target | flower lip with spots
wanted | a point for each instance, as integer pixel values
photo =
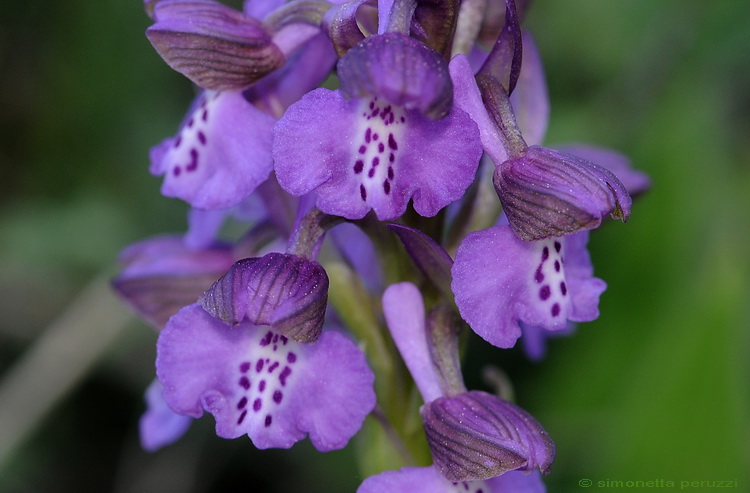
(259, 383)
(221, 153)
(500, 280)
(377, 150)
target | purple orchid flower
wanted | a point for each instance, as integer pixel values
(387, 136)
(544, 193)
(222, 151)
(220, 155)
(486, 444)
(500, 280)
(259, 383)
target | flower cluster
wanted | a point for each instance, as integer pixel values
(411, 132)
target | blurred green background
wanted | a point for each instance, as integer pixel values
(657, 388)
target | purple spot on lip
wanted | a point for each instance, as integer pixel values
(381, 147)
(545, 254)
(362, 149)
(362, 192)
(390, 173)
(259, 366)
(538, 276)
(392, 142)
(176, 171)
(245, 366)
(178, 141)
(267, 422)
(557, 266)
(375, 136)
(202, 137)
(558, 246)
(256, 405)
(359, 166)
(204, 116)
(266, 339)
(291, 357)
(277, 396)
(545, 292)
(242, 417)
(242, 403)
(368, 135)
(193, 160)
(563, 288)
(387, 187)
(555, 310)
(244, 383)
(262, 386)
(284, 375)
(371, 173)
(273, 366)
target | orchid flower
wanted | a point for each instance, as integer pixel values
(478, 441)
(390, 134)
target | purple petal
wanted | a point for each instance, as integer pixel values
(216, 47)
(530, 100)
(404, 312)
(363, 154)
(303, 71)
(260, 383)
(221, 154)
(469, 99)
(636, 182)
(400, 70)
(204, 226)
(430, 258)
(547, 193)
(161, 275)
(260, 9)
(284, 291)
(359, 251)
(429, 480)
(518, 482)
(420, 480)
(478, 436)
(500, 280)
(159, 425)
(504, 61)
